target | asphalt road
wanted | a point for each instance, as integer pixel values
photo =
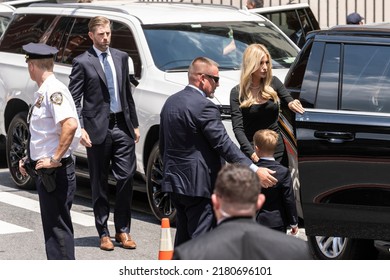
(21, 235)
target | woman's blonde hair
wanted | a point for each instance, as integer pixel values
(251, 60)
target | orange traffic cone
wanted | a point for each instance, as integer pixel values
(166, 247)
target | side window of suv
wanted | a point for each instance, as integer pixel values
(122, 38)
(26, 29)
(328, 84)
(366, 78)
(76, 32)
(77, 38)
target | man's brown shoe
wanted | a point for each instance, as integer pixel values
(106, 243)
(125, 240)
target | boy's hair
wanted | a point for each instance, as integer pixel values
(266, 140)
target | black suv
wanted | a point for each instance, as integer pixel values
(342, 77)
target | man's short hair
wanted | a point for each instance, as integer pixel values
(237, 184)
(97, 21)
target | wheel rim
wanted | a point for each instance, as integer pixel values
(17, 150)
(161, 200)
(331, 247)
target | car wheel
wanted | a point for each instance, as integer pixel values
(159, 202)
(341, 248)
(16, 147)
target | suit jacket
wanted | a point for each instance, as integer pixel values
(279, 208)
(241, 238)
(193, 142)
(89, 89)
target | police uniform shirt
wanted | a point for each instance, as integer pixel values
(53, 103)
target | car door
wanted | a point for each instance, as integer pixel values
(344, 140)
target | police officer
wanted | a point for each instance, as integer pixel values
(54, 134)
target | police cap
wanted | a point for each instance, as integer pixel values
(39, 51)
(354, 18)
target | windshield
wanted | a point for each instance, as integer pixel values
(174, 46)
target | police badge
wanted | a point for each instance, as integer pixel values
(56, 98)
(39, 101)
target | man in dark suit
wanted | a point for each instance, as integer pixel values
(237, 236)
(279, 210)
(100, 86)
(193, 142)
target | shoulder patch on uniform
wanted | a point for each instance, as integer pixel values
(56, 98)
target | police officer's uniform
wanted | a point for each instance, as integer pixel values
(53, 104)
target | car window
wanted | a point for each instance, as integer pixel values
(311, 75)
(75, 32)
(26, 29)
(328, 85)
(3, 24)
(366, 78)
(122, 38)
(295, 23)
(223, 42)
(77, 39)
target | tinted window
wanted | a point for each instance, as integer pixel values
(327, 95)
(122, 38)
(223, 42)
(75, 32)
(366, 78)
(58, 35)
(312, 74)
(78, 40)
(295, 23)
(26, 29)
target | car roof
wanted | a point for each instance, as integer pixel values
(281, 8)
(6, 10)
(377, 29)
(151, 12)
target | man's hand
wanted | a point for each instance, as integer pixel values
(266, 178)
(85, 141)
(137, 135)
(46, 163)
(21, 167)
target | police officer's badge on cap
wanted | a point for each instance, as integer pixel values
(39, 51)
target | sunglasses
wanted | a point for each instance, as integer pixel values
(215, 78)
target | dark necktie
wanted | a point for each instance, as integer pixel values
(109, 78)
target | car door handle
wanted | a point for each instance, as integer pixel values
(335, 136)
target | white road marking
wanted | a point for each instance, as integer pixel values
(6, 228)
(33, 205)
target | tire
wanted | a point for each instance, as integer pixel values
(16, 147)
(342, 248)
(159, 202)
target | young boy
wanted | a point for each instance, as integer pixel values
(279, 209)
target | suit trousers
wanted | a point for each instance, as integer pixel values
(55, 213)
(119, 149)
(194, 216)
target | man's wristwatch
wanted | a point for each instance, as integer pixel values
(52, 160)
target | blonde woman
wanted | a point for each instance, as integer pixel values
(255, 102)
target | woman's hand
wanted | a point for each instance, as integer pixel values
(296, 106)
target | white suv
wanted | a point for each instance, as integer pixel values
(161, 40)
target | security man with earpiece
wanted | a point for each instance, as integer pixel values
(54, 133)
